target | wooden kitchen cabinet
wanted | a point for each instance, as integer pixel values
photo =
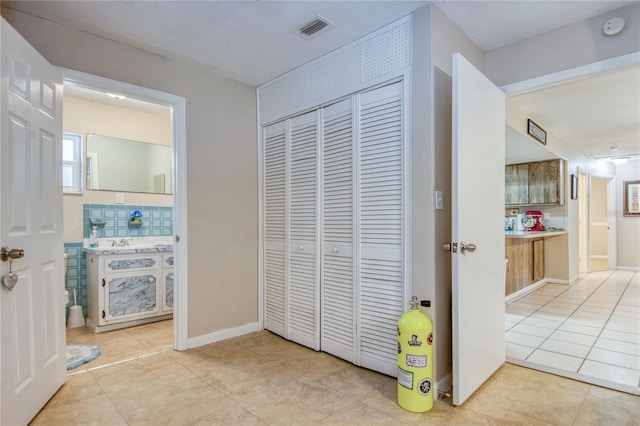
(525, 264)
(537, 183)
(516, 184)
(544, 182)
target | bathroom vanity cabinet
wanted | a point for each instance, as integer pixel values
(128, 289)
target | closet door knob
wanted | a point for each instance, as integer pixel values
(336, 250)
(301, 248)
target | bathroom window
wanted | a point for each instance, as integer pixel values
(71, 163)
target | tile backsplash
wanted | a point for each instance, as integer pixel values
(76, 274)
(156, 221)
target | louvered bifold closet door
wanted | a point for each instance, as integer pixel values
(381, 171)
(303, 319)
(338, 299)
(274, 223)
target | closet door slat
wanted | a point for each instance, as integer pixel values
(274, 227)
(303, 320)
(381, 289)
(338, 334)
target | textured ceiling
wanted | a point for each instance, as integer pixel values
(249, 41)
(599, 115)
(255, 41)
(495, 24)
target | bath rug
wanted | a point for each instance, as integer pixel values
(80, 354)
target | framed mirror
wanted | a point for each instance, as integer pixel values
(116, 164)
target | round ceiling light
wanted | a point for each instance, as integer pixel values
(613, 26)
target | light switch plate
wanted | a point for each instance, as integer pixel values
(439, 201)
(119, 198)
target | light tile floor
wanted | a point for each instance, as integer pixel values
(588, 331)
(123, 344)
(261, 379)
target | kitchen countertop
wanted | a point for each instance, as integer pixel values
(534, 234)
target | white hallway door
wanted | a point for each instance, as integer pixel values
(478, 120)
(32, 355)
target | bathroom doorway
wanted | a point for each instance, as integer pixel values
(170, 198)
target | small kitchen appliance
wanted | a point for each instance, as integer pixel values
(531, 220)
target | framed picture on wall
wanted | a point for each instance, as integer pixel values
(631, 190)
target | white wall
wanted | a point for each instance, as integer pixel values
(567, 47)
(83, 116)
(221, 164)
(435, 40)
(628, 228)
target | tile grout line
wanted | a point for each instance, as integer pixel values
(118, 362)
(567, 317)
(606, 322)
(599, 286)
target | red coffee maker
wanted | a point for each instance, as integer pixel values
(531, 221)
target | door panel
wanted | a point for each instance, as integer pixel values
(381, 207)
(274, 219)
(478, 277)
(304, 274)
(338, 298)
(32, 314)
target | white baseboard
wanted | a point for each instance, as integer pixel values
(525, 290)
(443, 385)
(225, 334)
(118, 325)
(559, 281)
(628, 268)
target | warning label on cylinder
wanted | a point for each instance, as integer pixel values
(416, 361)
(424, 387)
(405, 378)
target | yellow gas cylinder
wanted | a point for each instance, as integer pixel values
(415, 360)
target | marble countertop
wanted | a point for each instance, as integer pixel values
(534, 234)
(127, 250)
(136, 245)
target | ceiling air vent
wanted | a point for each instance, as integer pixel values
(314, 26)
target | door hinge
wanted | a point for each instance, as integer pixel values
(104, 314)
(104, 283)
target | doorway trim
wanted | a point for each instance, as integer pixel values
(584, 261)
(565, 76)
(179, 146)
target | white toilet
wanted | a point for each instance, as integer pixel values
(76, 316)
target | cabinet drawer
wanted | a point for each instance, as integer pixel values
(130, 263)
(167, 260)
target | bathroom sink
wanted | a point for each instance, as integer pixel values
(135, 245)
